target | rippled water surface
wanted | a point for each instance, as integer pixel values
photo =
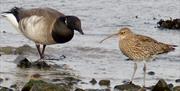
(85, 56)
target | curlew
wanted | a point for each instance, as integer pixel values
(140, 48)
(44, 26)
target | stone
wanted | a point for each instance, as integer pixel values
(23, 62)
(151, 73)
(5, 89)
(7, 50)
(169, 24)
(79, 89)
(39, 85)
(177, 80)
(36, 76)
(93, 81)
(128, 87)
(161, 86)
(97, 90)
(104, 82)
(176, 88)
(1, 80)
(3, 31)
(41, 65)
(22, 49)
(13, 86)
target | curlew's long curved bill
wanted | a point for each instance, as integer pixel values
(108, 37)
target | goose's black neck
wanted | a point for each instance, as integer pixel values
(15, 12)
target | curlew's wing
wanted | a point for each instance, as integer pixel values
(151, 46)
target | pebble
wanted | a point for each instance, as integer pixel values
(177, 80)
(93, 81)
(104, 82)
(151, 73)
(1, 80)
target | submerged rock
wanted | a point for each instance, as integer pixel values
(71, 80)
(177, 80)
(79, 89)
(97, 90)
(1, 80)
(41, 65)
(7, 50)
(161, 86)
(151, 73)
(23, 62)
(93, 81)
(13, 86)
(20, 50)
(169, 24)
(16, 50)
(5, 89)
(104, 82)
(177, 88)
(39, 85)
(128, 87)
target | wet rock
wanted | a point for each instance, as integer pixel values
(41, 65)
(1, 80)
(136, 17)
(151, 73)
(36, 76)
(128, 87)
(170, 85)
(104, 82)
(161, 86)
(23, 62)
(97, 90)
(71, 80)
(7, 50)
(169, 24)
(177, 88)
(13, 86)
(6, 78)
(3, 31)
(56, 80)
(13, 50)
(39, 85)
(5, 89)
(79, 89)
(22, 49)
(177, 80)
(93, 81)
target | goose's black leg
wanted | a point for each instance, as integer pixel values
(44, 46)
(39, 51)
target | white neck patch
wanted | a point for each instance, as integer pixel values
(10, 17)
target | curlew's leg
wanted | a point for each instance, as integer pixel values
(44, 46)
(144, 69)
(135, 68)
(39, 50)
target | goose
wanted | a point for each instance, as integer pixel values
(43, 26)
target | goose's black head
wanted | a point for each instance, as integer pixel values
(73, 23)
(14, 11)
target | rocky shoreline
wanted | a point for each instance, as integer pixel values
(67, 82)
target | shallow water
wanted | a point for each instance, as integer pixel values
(85, 56)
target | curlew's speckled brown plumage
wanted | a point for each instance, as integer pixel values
(140, 48)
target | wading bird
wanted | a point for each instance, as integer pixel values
(140, 48)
